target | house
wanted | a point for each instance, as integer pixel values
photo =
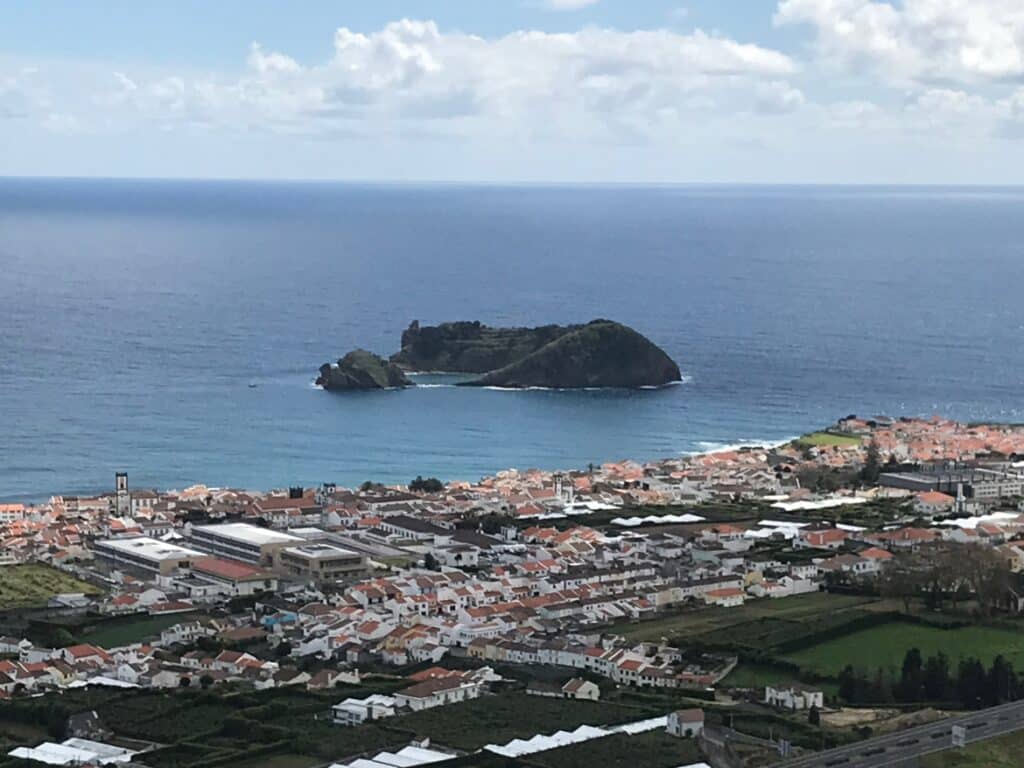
(794, 697)
(933, 503)
(830, 538)
(356, 711)
(438, 692)
(686, 723)
(726, 598)
(580, 689)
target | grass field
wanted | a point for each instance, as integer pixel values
(120, 632)
(499, 719)
(30, 585)
(694, 623)
(1003, 752)
(885, 646)
(821, 439)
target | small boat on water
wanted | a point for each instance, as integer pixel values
(253, 385)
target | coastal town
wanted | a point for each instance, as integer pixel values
(691, 610)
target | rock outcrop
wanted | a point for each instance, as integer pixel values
(360, 369)
(469, 347)
(602, 353)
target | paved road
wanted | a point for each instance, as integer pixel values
(904, 746)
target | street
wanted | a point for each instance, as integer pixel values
(898, 748)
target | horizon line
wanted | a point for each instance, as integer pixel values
(514, 183)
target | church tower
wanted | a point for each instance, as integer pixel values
(122, 499)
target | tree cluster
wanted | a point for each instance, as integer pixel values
(947, 572)
(428, 485)
(971, 685)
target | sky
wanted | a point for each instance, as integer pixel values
(575, 91)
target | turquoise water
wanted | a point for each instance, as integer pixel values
(135, 315)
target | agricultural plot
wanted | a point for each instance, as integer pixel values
(118, 632)
(499, 719)
(31, 585)
(655, 749)
(885, 646)
(728, 624)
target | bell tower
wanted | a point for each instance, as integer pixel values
(122, 499)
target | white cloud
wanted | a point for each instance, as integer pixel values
(568, 5)
(928, 41)
(859, 113)
(1010, 115)
(587, 84)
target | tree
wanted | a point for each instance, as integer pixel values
(185, 681)
(284, 648)
(847, 683)
(205, 682)
(971, 683)
(429, 485)
(813, 715)
(936, 677)
(430, 562)
(902, 578)
(986, 572)
(911, 683)
(1002, 682)
(872, 465)
(881, 688)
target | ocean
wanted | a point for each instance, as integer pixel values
(136, 315)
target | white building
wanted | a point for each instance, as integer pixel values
(685, 723)
(356, 711)
(794, 697)
(142, 553)
(437, 693)
(241, 541)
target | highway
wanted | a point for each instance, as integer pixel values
(903, 747)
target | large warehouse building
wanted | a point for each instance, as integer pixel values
(243, 542)
(141, 553)
(321, 562)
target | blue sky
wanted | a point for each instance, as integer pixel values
(831, 91)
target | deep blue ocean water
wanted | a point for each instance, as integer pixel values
(135, 315)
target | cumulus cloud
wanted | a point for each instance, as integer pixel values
(527, 83)
(926, 41)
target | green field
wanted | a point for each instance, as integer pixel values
(31, 585)
(118, 632)
(821, 439)
(1003, 752)
(886, 645)
(499, 719)
(725, 620)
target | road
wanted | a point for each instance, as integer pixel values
(903, 747)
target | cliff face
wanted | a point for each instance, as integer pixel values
(600, 354)
(360, 369)
(470, 347)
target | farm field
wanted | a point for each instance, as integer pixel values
(757, 676)
(720, 620)
(827, 439)
(885, 646)
(29, 585)
(287, 728)
(655, 749)
(499, 719)
(1002, 752)
(112, 634)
